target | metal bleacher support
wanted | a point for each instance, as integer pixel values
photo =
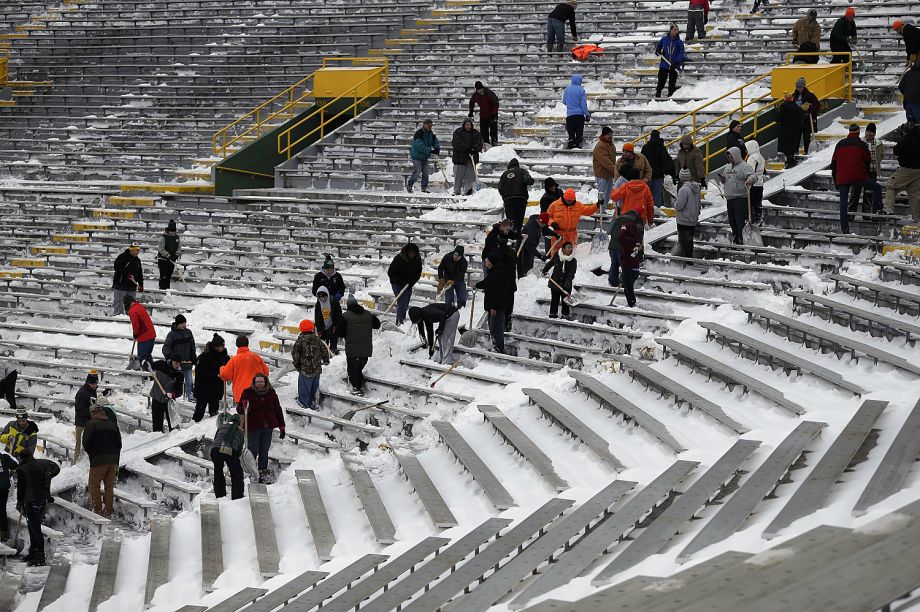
(107, 568)
(374, 509)
(895, 467)
(158, 559)
(317, 518)
(212, 553)
(427, 492)
(491, 486)
(264, 529)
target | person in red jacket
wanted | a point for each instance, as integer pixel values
(488, 112)
(850, 168)
(142, 328)
(630, 238)
(697, 18)
(262, 413)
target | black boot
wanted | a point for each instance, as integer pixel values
(549, 47)
(560, 47)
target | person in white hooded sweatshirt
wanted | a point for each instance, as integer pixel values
(737, 176)
(688, 212)
(759, 164)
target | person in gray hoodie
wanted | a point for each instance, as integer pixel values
(759, 164)
(688, 212)
(737, 176)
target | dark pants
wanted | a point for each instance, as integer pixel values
(806, 134)
(696, 21)
(35, 512)
(669, 75)
(737, 215)
(497, 329)
(158, 411)
(402, 303)
(858, 193)
(260, 440)
(629, 284)
(806, 47)
(355, 367)
(514, 210)
(575, 126)
(329, 337)
(166, 271)
(200, 404)
(613, 276)
(685, 239)
(4, 519)
(843, 48)
(236, 474)
(756, 202)
(913, 111)
(8, 388)
(488, 128)
(757, 4)
(844, 201)
(555, 297)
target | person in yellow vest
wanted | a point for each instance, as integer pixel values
(20, 436)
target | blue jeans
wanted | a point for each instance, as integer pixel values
(260, 440)
(497, 329)
(145, 351)
(419, 166)
(604, 187)
(189, 383)
(307, 388)
(657, 187)
(402, 304)
(459, 290)
(555, 31)
(913, 111)
(613, 277)
(845, 200)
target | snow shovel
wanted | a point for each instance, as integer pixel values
(351, 413)
(18, 542)
(133, 362)
(600, 239)
(447, 286)
(468, 337)
(521, 246)
(750, 235)
(445, 373)
(172, 413)
(182, 276)
(569, 298)
(477, 184)
(386, 325)
(246, 459)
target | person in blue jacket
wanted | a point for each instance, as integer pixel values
(576, 112)
(424, 143)
(671, 51)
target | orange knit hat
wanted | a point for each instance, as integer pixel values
(850, 12)
(306, 326)
(897, 25)
(569, 194)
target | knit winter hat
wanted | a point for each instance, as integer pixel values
(850, 12)
(569, 195)
(854, 128)
(180, 319)
(897, 25)
(134, 247)
(127, 301)
(328, 263)
(306, 326)
(22, 414)
(812, 13)
(629, 147)
(478, 85)
(800, 83)
(92, 378)
(218, 340)
(459, 250)
(871, 128)
(514, 163)
(352, 300)
(171, 226)
(606, 130)
(684, 174)
(544, 218)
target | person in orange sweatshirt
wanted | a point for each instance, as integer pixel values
(565, 213)
(635, 195)
(242, 367)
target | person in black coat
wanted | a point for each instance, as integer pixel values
(563, 266)
(733, 139)
(209, 388)
(789, 118)
(448, 318)
(466, 145)
(327, 312)
(33, 493)
(7, 466)
(452, 277)
(501, 233)
(404, 272)
(910, 89)
(330, 279)
(499, 286)
(811, 106)
(512, 187)
(662, 165)
(82, 403)
(537, 227)
(127, 279)
(551, 193)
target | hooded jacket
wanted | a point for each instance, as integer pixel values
(180, 344)
(636, 196)
(334, 283)
(487, 101)
(357, 328)
(405, 271)
(513, 183)
(549, 197)
(240, 369)
(82, 402)
(657, 156)
(806, 31)
(465, 144)
(639, 162)
(424, 143)
(672, 50)
(691, 159)
(575, 98)
(141, 325)
(171, 380)
(629, 239)
(263, 409)
(208, 385)
(230, 436)
(735, 175)
(128, 266)
(330, 312)
(605, 159)
(102, 440)
(756, 161)
(688, 203)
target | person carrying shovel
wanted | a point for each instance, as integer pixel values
(671, 51)
(563, 266)
(357, 328)
(448, 318)
(180, 344)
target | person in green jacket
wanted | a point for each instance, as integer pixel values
(226, 450)
(168, 252)
(424, 143)
(102, 443)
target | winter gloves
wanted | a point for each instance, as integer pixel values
(282, 433)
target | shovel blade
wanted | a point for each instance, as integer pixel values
(751, 235)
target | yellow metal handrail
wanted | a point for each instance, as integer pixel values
(4, 67)
(286, 145)
(847, 87)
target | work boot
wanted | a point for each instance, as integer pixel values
(37, 561)
(549, 47)
(560, 47)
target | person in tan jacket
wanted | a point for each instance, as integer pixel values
(636, 160)
(605, 165)
(806, 37)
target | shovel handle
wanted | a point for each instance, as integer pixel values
(567, 294)
(521, 246)
(396, 299)
(445, 373)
